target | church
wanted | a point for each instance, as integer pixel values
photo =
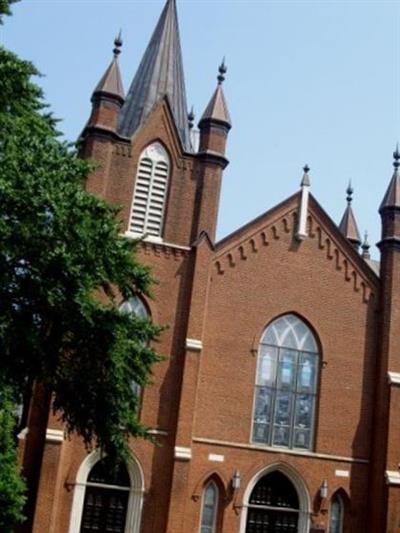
(277, 407)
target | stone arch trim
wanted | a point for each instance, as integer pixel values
(135, 502)
(298, 482)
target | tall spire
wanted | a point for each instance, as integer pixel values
(111, 83)
(160, 74)
(217, 109)
(392, 195)
(348, 224)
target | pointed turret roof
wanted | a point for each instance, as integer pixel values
(111, 82)
(392, 195)
(348, 225)
(160, 74)
(217, 108)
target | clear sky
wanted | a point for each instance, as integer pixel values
(314, 82)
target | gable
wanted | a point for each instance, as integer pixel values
(324, 237)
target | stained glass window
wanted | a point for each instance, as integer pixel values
(286, 383)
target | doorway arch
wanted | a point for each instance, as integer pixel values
(276, 499)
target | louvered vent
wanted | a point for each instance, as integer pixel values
(150, 192)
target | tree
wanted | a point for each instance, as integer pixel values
(64, 269)
(12, 487)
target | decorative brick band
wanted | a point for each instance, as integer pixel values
(392, 477)
(54, 435)
(394, 378)
(183, 453)
(194, 344)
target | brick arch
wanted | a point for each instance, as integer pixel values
(299, 484)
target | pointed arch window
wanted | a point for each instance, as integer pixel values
(336, 514)
(209, 510)
(135, 306)
(149, 197)
(286, 385)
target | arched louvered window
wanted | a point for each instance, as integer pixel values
(148, 205)
(209, 509)
(106, 499)
(286, 385)
(336, 514)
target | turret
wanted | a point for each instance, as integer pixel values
(386, 474)
(348, 225)
(214, 127)
(215, 123)
(108, 96)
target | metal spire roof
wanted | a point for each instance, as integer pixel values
(217, 108)
(392, 195)
(348, 225)
(160, 74)
(111, 82)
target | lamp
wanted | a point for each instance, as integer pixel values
(236, 480)
(323, 491)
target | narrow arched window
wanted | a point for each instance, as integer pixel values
(149, 197)
(209, 509)
(135, 306)
(336, 514)
(106, 498)
(286, 385)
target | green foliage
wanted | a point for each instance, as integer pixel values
(5, 8)
(12, 487)
(63, 271)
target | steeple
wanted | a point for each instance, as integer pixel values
(348, 224)
(160, 74)
(392, 195)
(111, 82)
(217, 109)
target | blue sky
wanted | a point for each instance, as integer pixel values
(314, 82)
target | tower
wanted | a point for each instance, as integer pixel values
(167, 191)
(386, 476)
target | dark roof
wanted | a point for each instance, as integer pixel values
(348, 226)
(160, 74)
(217, 108)
(392, 195)
(111, 82)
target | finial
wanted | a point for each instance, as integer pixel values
(365, 247)
(396, 157)
(349, 192)
(305, 182)
(117, 43)
(191, 118)
(222, 71)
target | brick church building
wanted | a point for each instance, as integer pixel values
(278, 406)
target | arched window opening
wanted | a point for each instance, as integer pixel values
(273, 505)
(106, 499)
(286, 385)
(209, 511)
(336, 518)
(135, 306)
(149, 197)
